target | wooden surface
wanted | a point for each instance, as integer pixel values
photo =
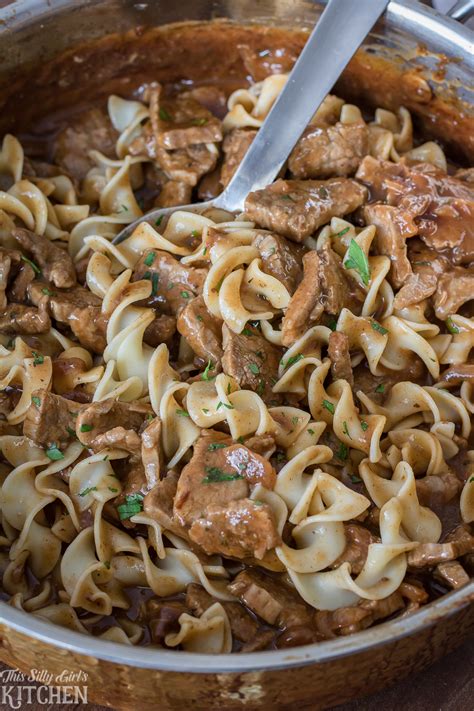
(446, 686)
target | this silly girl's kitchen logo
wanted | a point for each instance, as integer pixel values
(42, 687)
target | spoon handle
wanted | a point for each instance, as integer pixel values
(341, 29)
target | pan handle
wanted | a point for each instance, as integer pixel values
(462, 10)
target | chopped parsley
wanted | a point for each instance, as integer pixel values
(185, 294)
(205, 410)
(199, 317)
(377, 327)
(471, 480)
(113, 490)
(451, 326)
(84, 492)
(224, 404)
(240, 440)
(364, 425)
(71, 432)
(218, 285)
(216, 445)
(107, 564)
(260, 387)
(328, 406)
(124, 208)
(159, 220)
(291, 361)
(358, 261)
(183, 413)
(355, 479)
(54, 453)
(345, 429)
(195, 233)
(209, 367)
(332, 324)
(342, 232)
(38, 359)
(247, 332)
(216, 475)
(47, 292)
(36, 401)
(323, 193)
(380, 388)
(295, 420)
(133, 505)
(149, 259)
(199, 121)
(86, 428)
(310, 431)
(34, 266)
(342, 452)
(164, 115)
(253, 367)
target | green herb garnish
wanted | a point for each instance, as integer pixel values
(328, 406)
(86, 428)
(291, 361)
(38, 359)
(247, 332)
(216, 445)
(357, 260)
(84, 492)
(224, 404)
(380, 388)
(342, 452)
(345, 429)
(253, 367)
(54, 453)
(323, 193)
(216, 475)
(451, 326)
(199, 121)
(185, 294)
(47, 292)
(149, 259)
(342, 232)
(377, 327)
(355, 479)
(364, 425)
(159, 221)
(133, 505)
(164, 115)
(183, 413)
(34, 266)
(36, 401)
(209, 367)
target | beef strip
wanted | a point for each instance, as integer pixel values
(240, 529)
(442, 205)
(454, 288)
(160, 330)
(219, 472)
(458, 374)
(163, 617)
(393, 228)
(158, 504)
(338, 352)
(413, 592)
(296, 208)
(184, 165)
(55, 263)
(260, 62)
(347, 620)
(181, 121)
(242, 624)
(174, 284)
(280, 258)
(151, 452)
(202, 331)
(50, 419)
(97, 428)
(430, 554)
(270, 599)
(358, 540)
(438, 489)
(262, 640)
(324, 151)
(235, 146)
(451, 573)
(252, 361)
(79, 308)
(17, 319)
(89, 130)
(209, 96)
(174, 193)
(19, 289)
(326, 287)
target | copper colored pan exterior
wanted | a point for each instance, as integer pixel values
(321, 675)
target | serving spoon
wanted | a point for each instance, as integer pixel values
(341, 29)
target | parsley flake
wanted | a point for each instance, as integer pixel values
(377, 327)
(345, 429)
(364, 425)
(164, 115)
(328, 406)
(216, 475)
(380, 388)
(185, 294)
(34, 266)
(291, 361)
(86, 428)
(54, 453)
(342, 452)
(133, 505)
(47, 292)
(159, 220)
(224, 404)
(183, 413)
(38, 359)
(253, 367)
(36, 401)
(149, 259)
(84, 492)
(310, 431)
(209, 367)
(355, 479)
(216, 445)
(342, 232)
(247, 332)
(451, 326)
(358, 261)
